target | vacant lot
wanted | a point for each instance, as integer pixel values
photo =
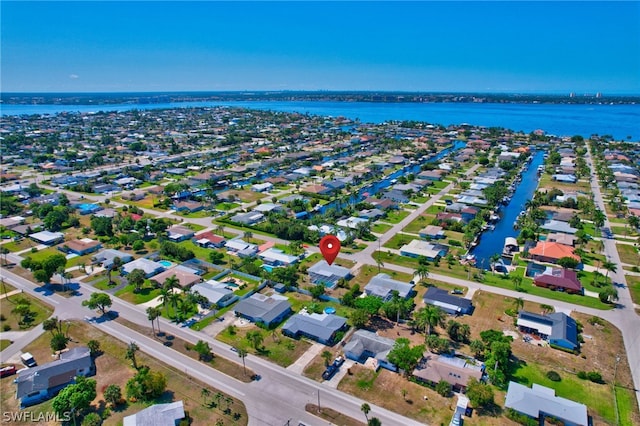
(112, 368)
(634, 288)
(628, 254)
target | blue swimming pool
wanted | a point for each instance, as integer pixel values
(329, 310)
(166, 263)
(86, 208)
(267, 268)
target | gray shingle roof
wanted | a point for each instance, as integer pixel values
(261, 307)
(54, 373)
(320, 326)
(382, 285)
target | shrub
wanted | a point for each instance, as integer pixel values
(6, 327)
(582, 375)
(553, 376)
(443, 388)
(595, 377)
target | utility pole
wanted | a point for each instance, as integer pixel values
(615, 400)
(319, 400)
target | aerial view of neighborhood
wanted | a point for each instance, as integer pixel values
(172, 255)
(309, 213)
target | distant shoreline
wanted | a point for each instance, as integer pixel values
(335, 96)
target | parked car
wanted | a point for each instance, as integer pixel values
(329, 372)
(28, 360)
(7, 371)
(338, 361)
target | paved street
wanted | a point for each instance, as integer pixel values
(282, 394)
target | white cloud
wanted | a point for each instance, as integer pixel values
(74, 76)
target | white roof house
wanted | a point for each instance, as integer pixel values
(351, 222)
(217, 293)
(47, 237)
(323, 273)
(157, 415)
(383, 286)
(418, 248)
(149, 267)
(539, 401)
(277, 257)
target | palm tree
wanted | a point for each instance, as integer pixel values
(374, 421)
(365, 408)
(152, 314)
(256, 338)
(494, 259)
(518, 303)
(422, 272)
(546, 308)
(517, 281)
(165, 297)
(326, 356)
(132, 348)
(609, 267)
(429, 316)
(248, 235)
(243, 354)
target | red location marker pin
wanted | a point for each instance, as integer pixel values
(329, 247)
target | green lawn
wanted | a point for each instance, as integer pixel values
(4, 344)
(497, 280)
(227, 206)
(40, 312)
(634, 287)
(396, 216)
(434, 209)
(145, 294)
(277, 348)
(595, 396)
(418, 223)
(42, 254)
(398, 240)
(380, 228)
(628, 254)
(369, 271)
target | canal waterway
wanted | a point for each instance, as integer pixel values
(492, 241)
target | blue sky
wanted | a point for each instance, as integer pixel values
(411, 46)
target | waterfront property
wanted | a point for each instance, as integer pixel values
(452, 305)
(550, 252)
(557, 328)
(319, 327)
(366, 347)
(433, 369)
(540, 402)
(418, 248)
(559, 279)
(42, 382)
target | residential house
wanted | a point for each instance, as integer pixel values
(149, 267)
(432, 232)
(433, 369)
(217, 293)
(266, 310)
(564, 178)
(106, 256)
(241, 248)
(42, 382)
(262, 187)
(540, 402)
(365, 345)
(351, 222)
(558, 328)
(562, 238)
(449, 217)
(186, 276)
(188, 206)
(552, 252)
(418, 248)
(561, 279)
(276, 257)
(82, 246)
(558, 226)
(169, 414)
(322, 328)
(383, 286)
(178, 233)
(209, 240)
(395, 196)
(250, 218)
(328, 275)
(372, 214)
(47, 238)
(447, 302)
(266, 208)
